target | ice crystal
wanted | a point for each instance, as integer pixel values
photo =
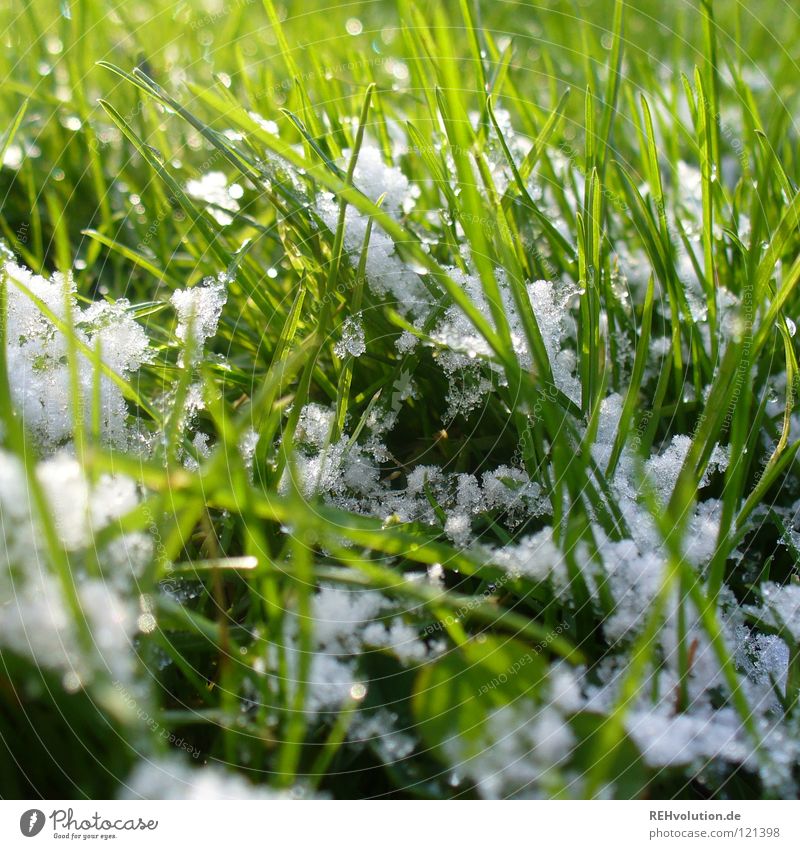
(171, 777)
(380, 730)
(36, 611)
(199, 310)
(352, 342)
(781, 608)
(672, 740)
(663, 469)
(348, 624)
(212, 188)
(37, 352)
(517, 755)
(386, 272)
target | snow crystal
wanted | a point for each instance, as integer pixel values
(36, 618)
(386, 273)
(199, 308)
(172, 778)
(37, 357)
(373, 177)
(352, 341)
(330, 680)
(663, 469)
(459, 528)
(338, 613)
(701, 539)
(347, 624)
(35, 622)
(764, 659)
(380, 730)
(400, 638)
(671, 740)
(126, 557)
(406, 342)
(339, 617)
(123, 343)
(265, 124)
(608, 423)
(513, 491)
(517, 755)
(76, 509)
(435, 575)
(550, 306)
(781, 607)
(314, 425)
(634, 578)
(248, 443)
(113, 622)
(213, 189)
(465, 351)
(535, 557)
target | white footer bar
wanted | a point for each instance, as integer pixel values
(401, 824)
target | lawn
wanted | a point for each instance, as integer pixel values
(399, 399)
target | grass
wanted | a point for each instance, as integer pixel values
(640, 161)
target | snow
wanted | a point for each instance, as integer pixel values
(172, 778)
(352, 342)
(386, 272)
(37, 353)
(683, 739)
(522, 749)
(781, 607)
(663, 469)
(212, 188)
(200, 309)
(78, 509)
(519, 753)
(36, 619)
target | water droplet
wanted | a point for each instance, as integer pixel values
(72, 681)
(354, 26)
(358, 692)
